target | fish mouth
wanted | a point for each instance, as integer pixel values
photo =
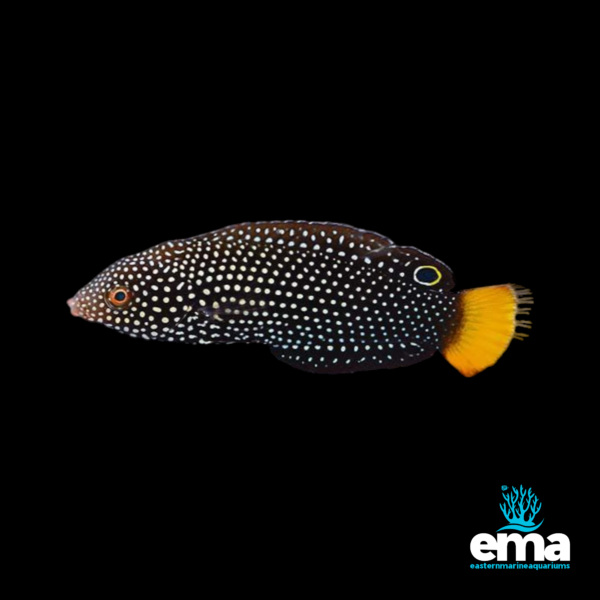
(76, 309)
(72, 303)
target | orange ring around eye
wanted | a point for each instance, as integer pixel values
(119, 296)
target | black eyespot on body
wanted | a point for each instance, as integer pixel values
(427, 275)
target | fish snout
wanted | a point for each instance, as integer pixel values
(74, 308)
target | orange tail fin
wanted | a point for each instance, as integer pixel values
(488, 320)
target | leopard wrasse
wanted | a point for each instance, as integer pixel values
(325, 298)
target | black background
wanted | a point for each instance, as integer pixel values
(224, 455)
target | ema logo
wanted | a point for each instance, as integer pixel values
(518, 512)
(520, 509)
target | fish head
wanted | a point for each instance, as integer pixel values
(145, 294)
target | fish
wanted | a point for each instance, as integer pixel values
(324, 297)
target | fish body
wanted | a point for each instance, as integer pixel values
(325, 297)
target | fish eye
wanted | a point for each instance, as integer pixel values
(119, 296)
(427, 275)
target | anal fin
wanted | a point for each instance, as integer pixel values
(316, 358)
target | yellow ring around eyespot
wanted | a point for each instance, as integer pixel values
(439, 275)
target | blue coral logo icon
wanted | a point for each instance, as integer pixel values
(516, 511)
